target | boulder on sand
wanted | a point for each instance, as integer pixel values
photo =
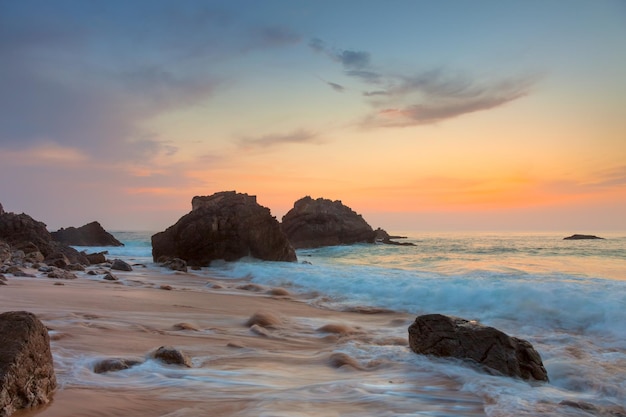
(91, 234)
(226, 225)
(27, 376)
(445, 336)
(322, 222)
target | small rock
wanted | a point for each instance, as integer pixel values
(172, 356)
(120, 265)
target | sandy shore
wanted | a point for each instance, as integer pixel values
(255, 351)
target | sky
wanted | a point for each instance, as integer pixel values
(419, 115)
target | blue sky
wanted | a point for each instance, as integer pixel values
(490, 111)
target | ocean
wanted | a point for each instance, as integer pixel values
(567, 297)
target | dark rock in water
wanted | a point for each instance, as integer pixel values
(581, 237)
(321, 222)
(120, 265)
(444, 336)
(595, 410)
(226, 225)
(383, 237)
(91, 234)
(172, 356)
(113, 365)
(27, 376)
(175, 264)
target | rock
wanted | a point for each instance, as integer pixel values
(581, 237)
(27, 376)
(110, 277)
(384, 237)
(91, 234)
(57, 259)
(120, 265)
(175, 264)
(113, 365)
(5, 252)
(321, 222)
(172, 356)
(1, 210)
(444, 336)
(96, 258)
(59, 273)
(226, 225)
(24, 233)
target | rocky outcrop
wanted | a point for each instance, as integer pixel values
(225, 225)
(321, 222)
(383, 237)
(91, 234)
(581, 237)
(30, 236)
(27, 376)
(444, 336)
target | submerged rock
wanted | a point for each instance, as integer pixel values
(91, 234)
(322, 222)
(27, 376)
(445, 336)
(172, 356)
(226, 225)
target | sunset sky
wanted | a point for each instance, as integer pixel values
(420, 115)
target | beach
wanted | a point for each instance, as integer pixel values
(327, 335)
(291, 365)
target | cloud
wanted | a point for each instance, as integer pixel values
(88, 76)
(355, 63)
(442, 101)
(299, 136)
(424, 97)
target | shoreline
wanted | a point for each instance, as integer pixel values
(239, 368)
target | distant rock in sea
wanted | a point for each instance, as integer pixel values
(226, 225)
(581, 237)
(384, 237)
(91, 234)
(322, 222)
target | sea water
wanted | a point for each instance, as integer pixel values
(568, 298)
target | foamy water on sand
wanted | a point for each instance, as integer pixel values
(316, 358)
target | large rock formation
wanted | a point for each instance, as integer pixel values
(91, 234)
(27, 376)
(439, 335)
(321, 222)
(225, 225)
(24, 233)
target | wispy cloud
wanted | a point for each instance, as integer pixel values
(299, 136)
(424, 97)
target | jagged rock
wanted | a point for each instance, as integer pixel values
(24, 233)
(172, 356)
(445, 336)
(91, 234)
(1, 210)
(225, 225)
(321, 222)
(27, 376)
(581, 237)
(120, 265)
(110, 277)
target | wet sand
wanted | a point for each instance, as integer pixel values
(255, 351)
